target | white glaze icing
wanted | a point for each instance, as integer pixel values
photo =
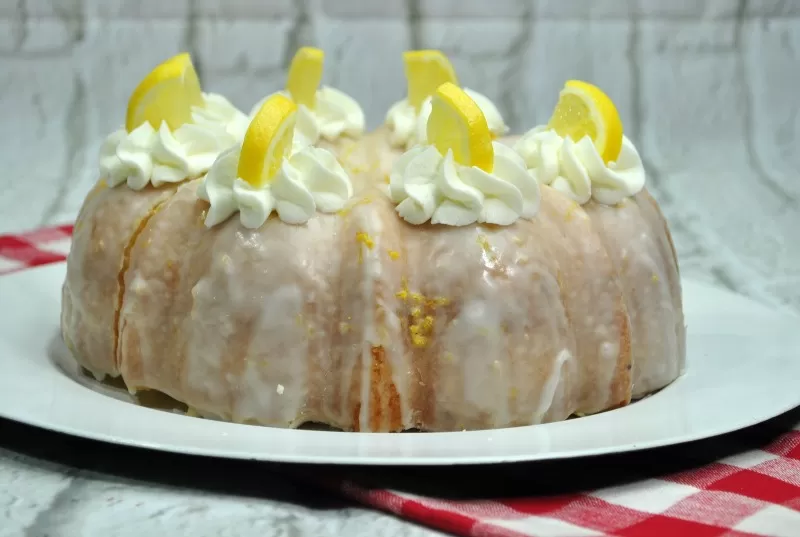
(298, 311)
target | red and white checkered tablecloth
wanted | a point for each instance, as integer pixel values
(751, 491)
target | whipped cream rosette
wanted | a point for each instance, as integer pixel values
(463, 177)
(426, 70)
(268, 174)
(173, 131)
(582, 151)
(323, 112)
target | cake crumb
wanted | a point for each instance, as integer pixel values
(394, 255)
(517, 240)
(416, 311)
(279, 389)
(654, 277)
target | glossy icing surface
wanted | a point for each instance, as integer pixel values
(362, 321)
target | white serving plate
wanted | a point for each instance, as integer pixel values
(743, 368)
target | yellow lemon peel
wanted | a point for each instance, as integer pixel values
(426, 70)
(456, 123)
(305, 75)
(582, 110)
(268, 141)
(166, 94)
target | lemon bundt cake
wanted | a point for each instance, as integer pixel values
(285, 267)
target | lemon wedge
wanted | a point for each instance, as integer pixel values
(584, 110)
(267, 141)
(456, 123)
(426, 70)
(167, 93)
(305, 75)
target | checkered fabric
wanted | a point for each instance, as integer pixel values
(34, 248)
(753, 492)
(756, 492)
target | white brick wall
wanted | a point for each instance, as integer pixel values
(707, 89)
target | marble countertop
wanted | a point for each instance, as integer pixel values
(706, 89)
(53, 485)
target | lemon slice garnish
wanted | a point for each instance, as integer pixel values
(166, 94)
(584, 110)
(305, 75)
(426, 70)
(267, 141)
(456, 123)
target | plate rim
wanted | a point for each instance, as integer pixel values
(743, 422)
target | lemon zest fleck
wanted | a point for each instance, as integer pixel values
(364, 238)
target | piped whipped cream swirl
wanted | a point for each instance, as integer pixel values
(427, 186)
(334, 114)
(308, 181)
(409, 128)
(576, 168)
(160, 156)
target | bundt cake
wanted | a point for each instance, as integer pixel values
(284, 267)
